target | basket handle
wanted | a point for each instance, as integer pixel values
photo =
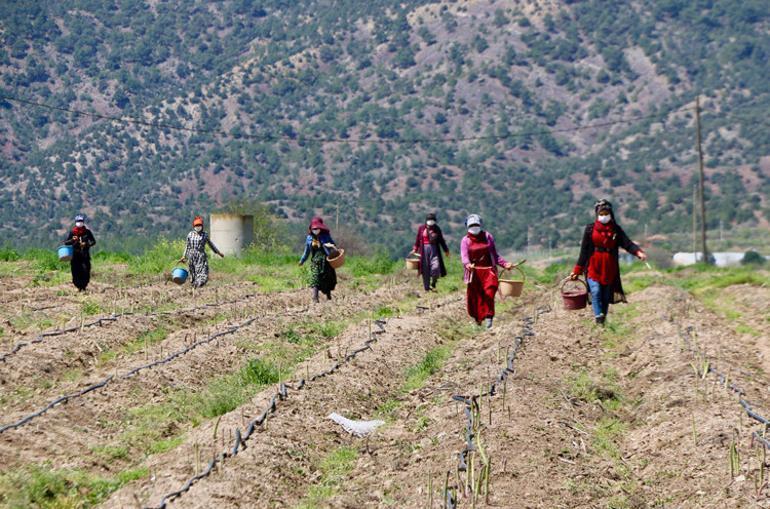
(568, 279)
(516, 266)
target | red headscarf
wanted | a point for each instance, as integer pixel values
(317, 222)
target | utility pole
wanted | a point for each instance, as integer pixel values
(701, 184)
(694, 224)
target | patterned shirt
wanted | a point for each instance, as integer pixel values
(196, 243)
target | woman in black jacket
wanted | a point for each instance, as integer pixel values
(598, 259)
(82, 240)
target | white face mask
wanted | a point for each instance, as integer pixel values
(79, 224)
(198, 229)
(605, 219)
(474, 230)
(316, 231)
(430, 222)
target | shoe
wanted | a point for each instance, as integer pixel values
(600, 319)
(488, 322)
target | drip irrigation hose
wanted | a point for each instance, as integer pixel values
(113, 318)
(67, 397)
(721, 378)
(240, 439)
(471, 402)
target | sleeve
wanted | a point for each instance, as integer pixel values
(416, 246)
(627, 243)
(187, 248)
(442, 242)
(496, 258)
(464, 251)
(90, 239)
(211, 245)
(585, 251)
(306, 253)
(70, 239)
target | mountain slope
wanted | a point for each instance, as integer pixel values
(383, 82)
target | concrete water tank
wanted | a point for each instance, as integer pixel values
(232, 233)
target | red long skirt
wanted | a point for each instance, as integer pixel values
(480, 294)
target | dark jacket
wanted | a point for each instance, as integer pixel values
(587, 250)
(437, 240)
(88, 241)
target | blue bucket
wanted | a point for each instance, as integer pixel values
(65, 253)
(179, 275)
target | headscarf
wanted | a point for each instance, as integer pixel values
(318, 223)
(604, 204)
(473, 219)
(431, 217)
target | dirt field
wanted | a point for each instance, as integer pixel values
(631, 415)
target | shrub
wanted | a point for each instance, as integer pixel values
(753, 258)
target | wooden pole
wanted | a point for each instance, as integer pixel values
(694, 222)
(701, 183)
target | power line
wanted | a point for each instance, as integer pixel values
(160, 125)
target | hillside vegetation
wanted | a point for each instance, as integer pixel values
(259, 84)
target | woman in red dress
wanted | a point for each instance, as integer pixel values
(480, 259)
(598, 259)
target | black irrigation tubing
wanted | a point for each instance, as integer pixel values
(58, 332)
(747, 407)
(67, 397)
(111, 318)
(241, 437)
(471, 402)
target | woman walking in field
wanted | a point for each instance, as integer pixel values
(429, 244)
(480, 259)
(82, 240)
(195, 253)
(598, 259)
(318, 246)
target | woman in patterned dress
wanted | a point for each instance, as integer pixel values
(318, 246)
(195, 253)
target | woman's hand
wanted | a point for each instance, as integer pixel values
(508, 266)
(642, 255)
(221, 255)
(470, 266)
(448, 254)
(574, 276)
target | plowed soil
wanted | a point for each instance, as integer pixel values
(630, 415)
